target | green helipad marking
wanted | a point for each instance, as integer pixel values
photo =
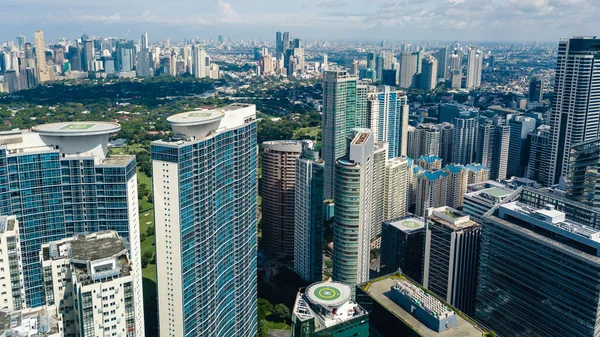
(411, 224)
(77, 127)
(200, 114)
(327, 293)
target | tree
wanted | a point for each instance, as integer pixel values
(150, 231)
(281, 312)
(147, 257)
(265, 308)
(142, 190)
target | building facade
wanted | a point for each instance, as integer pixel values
(12, 296)
(402, 242)
(584, 174)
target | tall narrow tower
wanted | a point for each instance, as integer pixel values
(40, 55)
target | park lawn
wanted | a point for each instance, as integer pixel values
(276, 326)
(311, 132)
(150, 273)
(148, 244)
(144, 179)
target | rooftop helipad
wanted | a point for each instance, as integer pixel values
(329, 294)
(77, 128)
(196, 117)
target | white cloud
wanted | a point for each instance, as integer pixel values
(226, 12)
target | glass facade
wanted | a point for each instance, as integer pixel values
(55, 197)
(217, 180)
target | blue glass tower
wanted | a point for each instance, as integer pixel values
(387, 117)
(205, 194)
(59, 181)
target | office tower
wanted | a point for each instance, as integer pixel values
(477, 173)
(402, 246)
(448, 111)
(89, 272)
(59, 55)
(44, 74)
(387, 117)
(173, 64)
(408, 70)
(125, 56)
(423, 140)
(539, 141)
(536, 89)
(12, 296)
(69, 186)
(575, 106)
(518, 152)
(108, 63)
(353, 211)
(339, 111)
(428, 74)
(442, 57)
(198, 61)
(396, 187)
(309, 214)
(144, 41)
(583, 178)
(286, 41)
(325, 65)
(432, 190)
(538, 252)
(142, 68)
(465, 136)
(74, 56)
(326, 309)
(278, 44)
(456, 79)
(278, 188)
(451, 257)
(372, 64)
(389, 77)
(399, 306)
(446, 141)
(474, 67)
(11, 77)
(20, 40)
(481, 201)
(219, 223)
(88, 55)
(457, 184)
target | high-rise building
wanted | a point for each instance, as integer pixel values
(576, 105)
(428, 74)
(492, 150)
(457, 184)
(380, 157)
(144, 41)
(396, 187)
(432, 190)
(518, 151)
(451, 257)
(278, 188)
(530, 257)
(143, 63)
(584, 173)
(481, 201)
(125, 56)
(474, 68)
(327, 309)
(408, 69)
(446, 141)
(477, 173)
(88, 55)
(89, 279)
(339, 107)
(429, 162)
(44, 73)
(456, 78)
(537, 167)
(209, 240)
(465, 136)
(12, 296)
(74, 57)
(353, 211)
(536, 89)
(198, 61)
(387, 117)
(309, 214)
(69, 186)
(402, 242)
(423, 140)
(442, 56)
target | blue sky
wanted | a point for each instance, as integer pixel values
(407, 20)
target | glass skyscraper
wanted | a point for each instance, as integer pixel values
(205, 197)
(387, 117)
(59, 181)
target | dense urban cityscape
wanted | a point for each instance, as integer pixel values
(302, 188)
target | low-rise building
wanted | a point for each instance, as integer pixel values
(44, 321)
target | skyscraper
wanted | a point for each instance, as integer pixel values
(74, 56)
(198, 61)
(44, 74)
(537, 166)
(309, 212)
(278, 45)
(451, 257)
(492, 150)
(536, 89)
(584, 173)
(576, 104)
(442, 56)
(339, 111)
(446, 141)
(206, 261)
(518, 152)
(408, 69)
(68, 186)
(402, 241)
(387, 117)
(88, 54)
(474, 67)
(144, 41)
(125, 56)
(143, 63)
(432, 190)
(278, 188)
(465, 135)
(429, 72)
(423, 140)
(396, 188)
(353, 211)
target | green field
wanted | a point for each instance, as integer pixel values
(311, 132)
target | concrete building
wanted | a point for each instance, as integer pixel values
(309, 231)
(429, 162)
(432, 190)
(457, 184)
(529, 258)
(429, 72)
(446, 141)
(380, 157)
(353, 211)
(492, 150)
(278, 186)
(474, 68)
(38, 322)
(44, 73)
(209, 243)
(465, 137)
(481, 201)
(408, 69)
(89, 279)
(451, 257)
(477, 173)
(387, 117)
(576, 103)
(423, 140)
(70, 186)
(12, 296)
(584, 173)
(199, 65)
(518, 151)
(442, 56)
(398, 306)
(326, 309)
(402, 242)
(396, 188)
(536, 89)
(339, 106)
(539, 142)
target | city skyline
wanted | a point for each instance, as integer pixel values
(486, 20)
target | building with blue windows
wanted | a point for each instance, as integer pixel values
(205, 198)
(387, 117)
(59, 181)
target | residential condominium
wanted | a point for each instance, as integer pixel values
(12, 296)
(387, 117)
(205, 199)
(536, 262)
(89, 279)
(60, 181)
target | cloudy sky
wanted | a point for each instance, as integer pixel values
(484, 20)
